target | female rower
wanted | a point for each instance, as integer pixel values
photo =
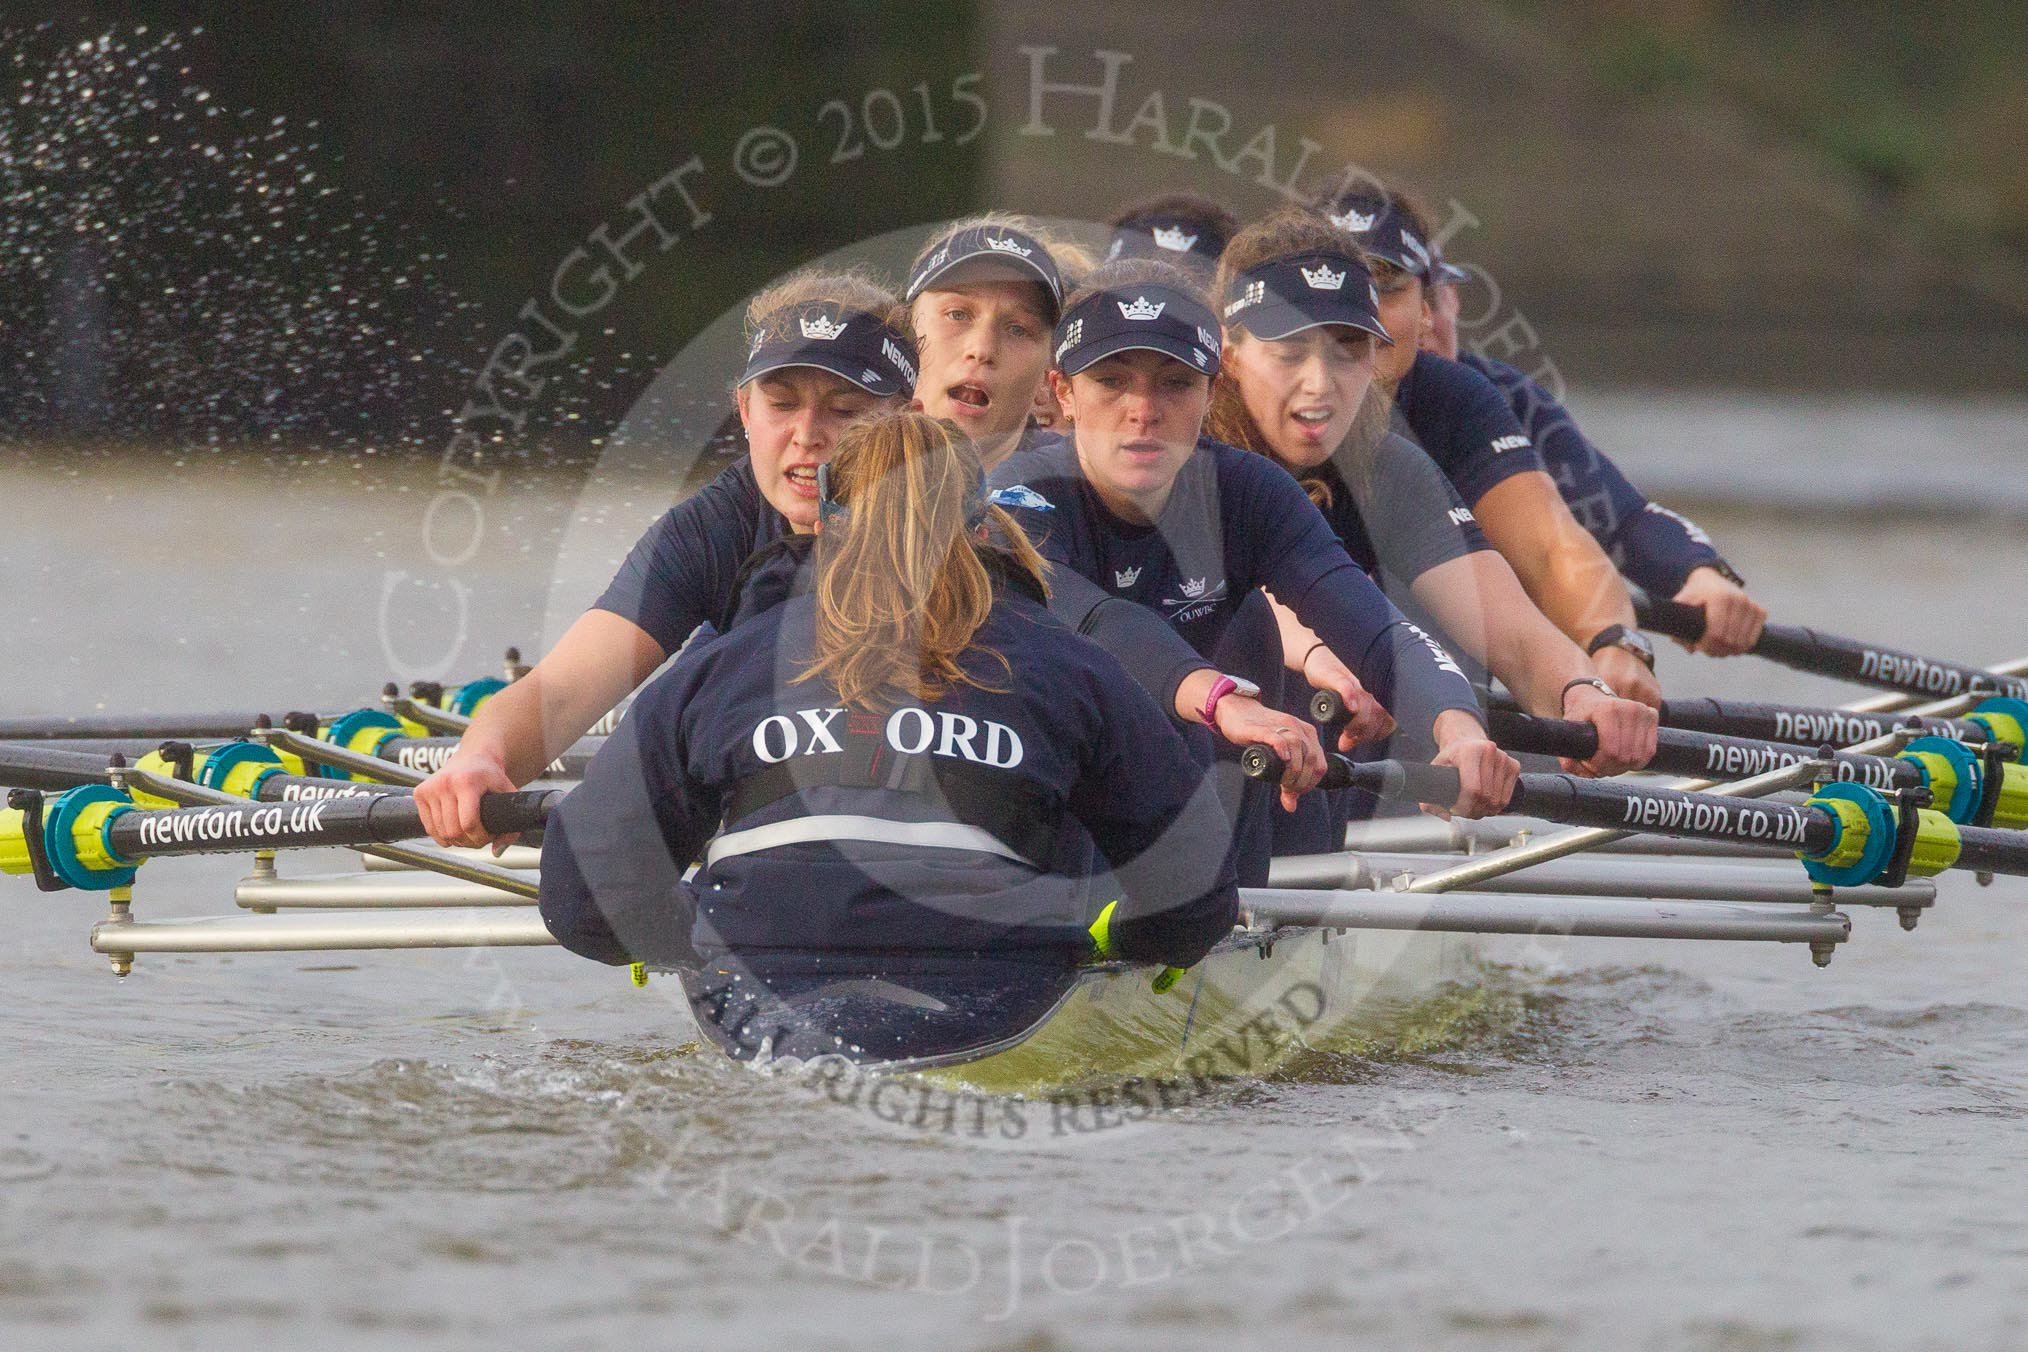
(1464, 423)
(983, 294)
(982, 297)
(1137, 505)
(1182, 227)
(911, 761)
(1666, 553)
(821, 354)
(1300, 336)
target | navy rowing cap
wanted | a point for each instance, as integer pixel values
(1383, 230)
(1287, 295)
(1015, 250)
(1138, 318)
(1174, 239)
(851, 344)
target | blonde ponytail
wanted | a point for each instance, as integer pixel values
(901, 589)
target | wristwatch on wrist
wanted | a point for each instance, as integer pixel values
(1619, 636)
(1220, 688)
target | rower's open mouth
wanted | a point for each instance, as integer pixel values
(1314, 417)
(971, 396)
(802, 478)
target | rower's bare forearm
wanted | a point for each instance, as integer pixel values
(595, 665)
(527, 725)
(1479, 602)
(1563, 570)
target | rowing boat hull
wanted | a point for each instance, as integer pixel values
(1253, 1004)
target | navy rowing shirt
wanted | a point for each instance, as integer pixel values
(682, 571)
(1653, 546)
(1062, 719)
(1234, 522)
(1465, 424)
(1394, 511)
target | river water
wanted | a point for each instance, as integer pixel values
(1614, 1145)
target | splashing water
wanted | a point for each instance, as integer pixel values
(174, 271)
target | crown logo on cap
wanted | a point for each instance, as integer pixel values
(1353, 221)
(1172, 238)
(1142, 308)
(1007, 246)
(817, 326)
(1321, 278)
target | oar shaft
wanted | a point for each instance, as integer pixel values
(1688, 753)
(1834, 655)
(1804, 724)
(363, 820)
(50, 768)
(1583, 802)
(428, 754)
(118, 727)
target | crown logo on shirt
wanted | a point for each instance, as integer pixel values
(1007, 246)
(1126, 577)
(1071, 337)
(1353, 221)
(1172, 238)
(1321, 278)
(1142, 308)
(817, 326)
(1194, 587)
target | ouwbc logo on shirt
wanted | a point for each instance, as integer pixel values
(1200, 596)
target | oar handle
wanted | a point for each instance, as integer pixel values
(505, 814)
(1660, 615)
(1390, 779)
(1542, 736)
